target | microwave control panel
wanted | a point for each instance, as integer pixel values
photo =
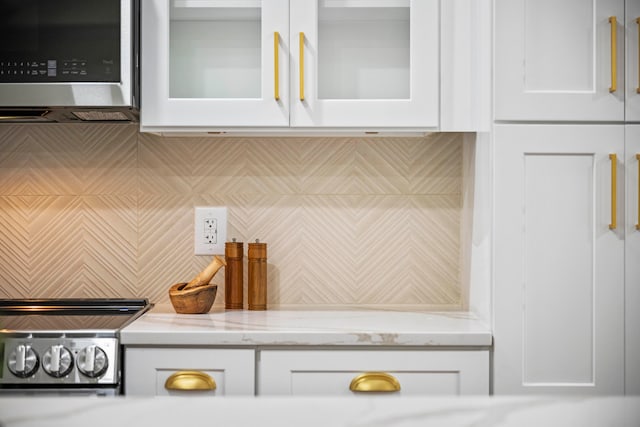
(53, 70)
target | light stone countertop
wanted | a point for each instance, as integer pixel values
(162, 326)
(320, 411)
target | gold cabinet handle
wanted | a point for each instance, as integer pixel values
(638, 22)
(375, 381)
(301, 66)
(614, 53)
(638, 223)
(190, 380)
(276, 65)
(614, 191)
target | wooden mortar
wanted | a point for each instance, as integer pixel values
(192, 301)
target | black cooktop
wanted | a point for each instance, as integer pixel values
(68, 314)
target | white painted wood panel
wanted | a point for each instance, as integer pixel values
(553, 60)
(553, 281)
(329, 372)
(147, 369)
(559, 268)
(632, 265)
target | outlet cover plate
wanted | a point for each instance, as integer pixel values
(210, 231)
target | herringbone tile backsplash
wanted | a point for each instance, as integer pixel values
(103, 211)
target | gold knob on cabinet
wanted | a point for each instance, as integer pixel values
(375, 382)
(190, 380)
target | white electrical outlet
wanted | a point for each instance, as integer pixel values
(210, 233)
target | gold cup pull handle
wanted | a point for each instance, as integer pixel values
(614, 191)
(190, 381)
(276, 66)
(375, 382)
(614, 54)
(638, 223)
(301, 66)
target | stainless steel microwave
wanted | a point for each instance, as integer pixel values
(69, 60)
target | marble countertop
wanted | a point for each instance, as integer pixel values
(321, 412)
(162, 326)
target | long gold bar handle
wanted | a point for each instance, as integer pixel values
(638, 223)
(190, 381)
(301, 66)
(375, 382)
(614, 191)
(276, 66)
(638, 22)
(614, 53)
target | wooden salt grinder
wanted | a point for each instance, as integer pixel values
(233, 278)
(257, 276)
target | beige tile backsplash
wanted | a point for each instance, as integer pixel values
(103, 211)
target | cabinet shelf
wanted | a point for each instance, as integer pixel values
(231, 4)
(216, 14)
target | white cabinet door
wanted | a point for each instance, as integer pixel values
(364, 63)
(559, 263)
(214, 63)
(632, 252)
(631, 30)
(147, 370)
(553, 60)
(330, 372)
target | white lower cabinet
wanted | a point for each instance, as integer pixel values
(163, 371)
(413, 372)
(151, 371)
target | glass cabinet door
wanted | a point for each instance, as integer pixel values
(214, 63)
(364, 63)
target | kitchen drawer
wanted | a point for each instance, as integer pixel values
(147, 370)
(330, 372)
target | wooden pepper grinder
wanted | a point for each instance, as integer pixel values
(257, 276)
(233, 278)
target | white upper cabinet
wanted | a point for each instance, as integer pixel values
(224, 64)
(560, 60)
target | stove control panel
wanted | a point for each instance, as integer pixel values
(59, 361)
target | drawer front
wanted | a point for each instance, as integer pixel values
(330, 372)
(214, 372)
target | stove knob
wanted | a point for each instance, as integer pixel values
(57, 361)
(92, 361)
(23, 361)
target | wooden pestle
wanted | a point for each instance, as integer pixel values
(205, 276)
